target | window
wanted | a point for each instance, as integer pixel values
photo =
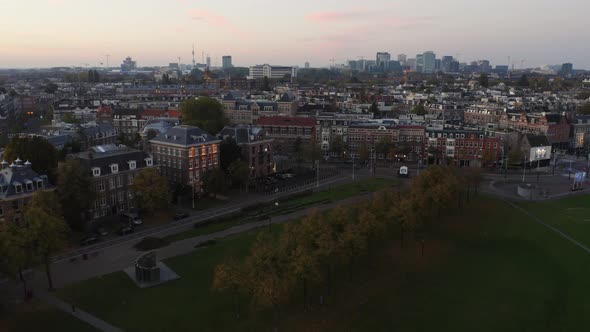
(15, 205)
(95, 171)
(29, 186)
(114, 168)
(112, 183)
(130, 179)
(39, 184)
(101, 186)
(148, 162)
(119, 181)
(132, 164)
(103, 201)
(18, 188)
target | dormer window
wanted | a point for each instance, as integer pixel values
(132, 164)
(114, 168)
(29, 185)
(39, 184)
(95, 171)
(18, 188)
(149, 162)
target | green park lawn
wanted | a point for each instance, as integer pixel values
(37, 316)
(488, 269)
(325, 196)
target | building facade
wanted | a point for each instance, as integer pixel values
(285, 131)
(462, 147)
(256, 145)
(185, 153)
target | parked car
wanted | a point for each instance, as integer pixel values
(132, 218)
(102, 232)
(125, 230)
(180, 215)
(88, 240)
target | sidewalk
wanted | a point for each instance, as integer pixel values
(78, 313)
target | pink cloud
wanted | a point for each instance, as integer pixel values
(323, 17)
(209, 17)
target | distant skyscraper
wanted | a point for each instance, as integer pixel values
(446, 63)
(306, 65)
(567, 69)
(437, 65)
(382, 60)
(429, 59)
(420, 63)
(411, 64)
(454, 66)
(402, 58)
(226, 62)
(208, 61)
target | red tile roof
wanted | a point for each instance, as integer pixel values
(159, 113)
(287, 121)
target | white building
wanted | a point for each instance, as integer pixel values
(272, 72)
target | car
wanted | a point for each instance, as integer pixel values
(88, 240)
(132, 218)
(180, 215)
(125, 230)
(102, 232)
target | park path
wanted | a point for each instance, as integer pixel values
(78, 313)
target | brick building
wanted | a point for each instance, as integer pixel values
(285, 130)
(257, 148)
(462, 147)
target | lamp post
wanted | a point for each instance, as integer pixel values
(317, 169)
(270, 217)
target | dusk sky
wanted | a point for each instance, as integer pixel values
(44, 33)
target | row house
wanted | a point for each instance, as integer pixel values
(128, 122)
(113, 169)
(285, 131)
(481, 116)
(462, 147)
(245, 111)
(256, 145)
(185, 153)
(407, 139)
(553, 125)
(581, 132)
(18, 184)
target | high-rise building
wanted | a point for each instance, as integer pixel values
(402, 58)
(128, 65)
(429, 59)
(273, 72)
(454, 66)
(226, 62)
(208, 61)
(567, 69)
(446, 63)
(437, 65)
(382, 60)
(307, 65)
(420, 63)
(411, 64)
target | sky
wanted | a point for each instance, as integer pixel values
(48, 33)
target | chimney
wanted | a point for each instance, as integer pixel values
(4, 164)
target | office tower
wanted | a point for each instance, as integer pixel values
(226, 62)
(208, 61)
(411, 64)
(272, 72)
(454, 66)
(306, 65)
(420, 63)
(382, 60)
(437, 65)
(567, 69)
(402, 58)
(429, 59)
(446, 63)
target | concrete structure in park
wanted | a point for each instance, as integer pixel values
(257, 148)
(18, 184)
(185, 153)
(113, 169)
(271, 72)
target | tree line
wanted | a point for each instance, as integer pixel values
(281, 267)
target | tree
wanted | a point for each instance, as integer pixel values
(46, 228)
(298, 149)
(515, 156)
(151, 134)
(266, 84)
(374, 109)
(364, 152)
(205, 113)
(337, 146)
(484, 80)
(523, 81)
(384, 146)
(230, 151)
(312, 151)
(230, 276)
(75, 190)
(36, 150)
(150, 189)
(240, 173)
(419, 110)
(70, 118)
(584, 109)
(18, 252)
(214, 182)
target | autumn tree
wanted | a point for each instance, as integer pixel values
(150, 190)
(230, 276)
(214, 182)
(46, 227)
(75, 190)
(337, 146)
(240, 174)
(205, 113)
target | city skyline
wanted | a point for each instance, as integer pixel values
(79, 32)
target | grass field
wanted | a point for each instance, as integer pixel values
(488, 269)
(298, 203)
(36, 316)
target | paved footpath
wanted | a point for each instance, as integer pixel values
(78, 313)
